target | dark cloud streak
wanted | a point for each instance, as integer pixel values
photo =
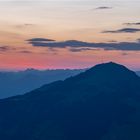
(25, 52)
(75, 45)
(40, 39)
(132, 23)
(124, 30)
(103, 8)
(6, 48)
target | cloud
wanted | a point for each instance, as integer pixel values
(132, 23)
(75, 45)
(9, 49)
(25, 51)
(80, 49)
(138, 40)
(103, 8)
(6, 48)
(124, 30)
(112, 41)
(124, 54)
(26, 25)
(40, 39)
(61, 44)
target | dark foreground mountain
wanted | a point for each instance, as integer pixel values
(138, 73)
(24, 81)
(102, 103)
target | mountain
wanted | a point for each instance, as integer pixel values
(24, 81)
(138, 73)
(102, 103)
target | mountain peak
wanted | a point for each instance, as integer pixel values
(110, 64)
(109, 67)
(108, 73)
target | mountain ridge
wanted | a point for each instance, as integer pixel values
(85, 106)
(24, 81)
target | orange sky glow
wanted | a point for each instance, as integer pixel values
(61, 20)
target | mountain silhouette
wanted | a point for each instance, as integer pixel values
(138, 73)
(102, 103)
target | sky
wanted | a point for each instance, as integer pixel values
(53, 34)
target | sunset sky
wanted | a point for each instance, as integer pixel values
(56, 34)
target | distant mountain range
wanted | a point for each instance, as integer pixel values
(15, 83)
(102, 103)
